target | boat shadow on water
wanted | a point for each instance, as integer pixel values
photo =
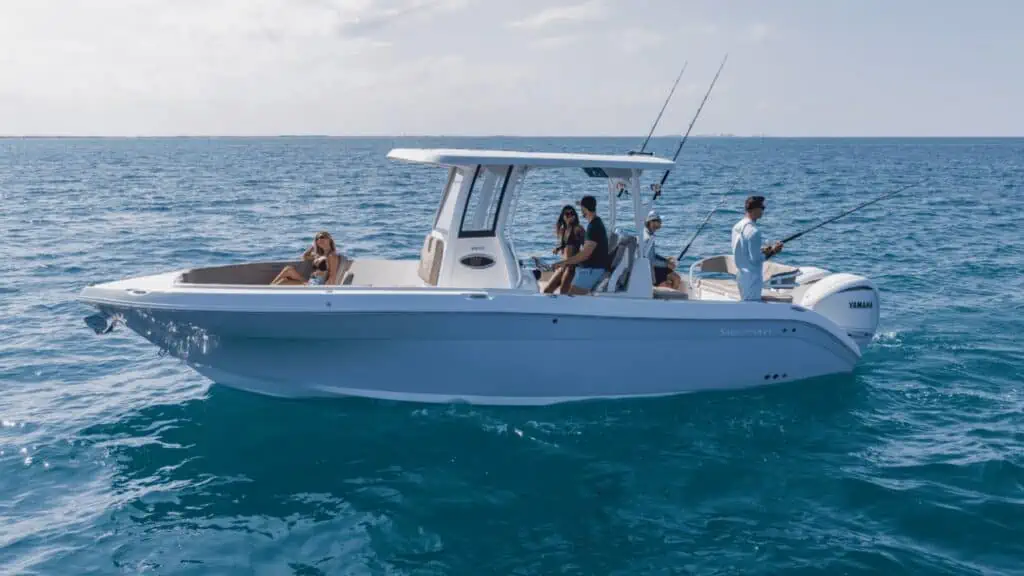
(421, 482)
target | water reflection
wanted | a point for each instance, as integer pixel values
(452, 486)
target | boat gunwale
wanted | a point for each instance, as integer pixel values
(839, 339)
(811, 320)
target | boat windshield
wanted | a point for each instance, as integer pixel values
(486, 195)
(447, 209)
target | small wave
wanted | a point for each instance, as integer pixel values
(892, 338)
(106, 446)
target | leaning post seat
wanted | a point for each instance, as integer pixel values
(621, 265)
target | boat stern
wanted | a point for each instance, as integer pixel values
(848, 300)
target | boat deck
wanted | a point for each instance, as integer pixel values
(660, 293)
(730, 291)
(402, 273)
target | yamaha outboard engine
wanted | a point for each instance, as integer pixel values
(849, 300)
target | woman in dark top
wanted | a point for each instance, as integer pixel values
(325, 258)
(570, 236)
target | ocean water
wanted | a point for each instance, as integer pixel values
(117, 460)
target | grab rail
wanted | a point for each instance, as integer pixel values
(694, 268)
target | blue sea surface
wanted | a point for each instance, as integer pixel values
(115, 459)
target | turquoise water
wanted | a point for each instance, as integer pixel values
(114, 459)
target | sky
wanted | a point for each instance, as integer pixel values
(510, 67)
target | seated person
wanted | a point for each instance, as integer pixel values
(325, 259)
(593, 261)
(663, 268)
(570, 236)
(321, 267)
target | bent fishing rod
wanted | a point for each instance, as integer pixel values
(792, 237)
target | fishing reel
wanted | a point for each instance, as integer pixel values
(656, 189)
(621, 187)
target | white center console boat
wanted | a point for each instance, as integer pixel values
(467, 321)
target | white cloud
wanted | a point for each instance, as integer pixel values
(758, 32)
(197, 63)
(634, 40)
(628, 41)
(555, 42)
(697, 29)
(379, 14)
(115, 67)
(587, 11)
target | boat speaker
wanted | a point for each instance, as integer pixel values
(477, 261)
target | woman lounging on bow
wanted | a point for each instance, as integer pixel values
(325, 258)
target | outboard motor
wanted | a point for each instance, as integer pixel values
(849, 300)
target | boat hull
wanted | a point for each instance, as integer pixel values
(506, 350)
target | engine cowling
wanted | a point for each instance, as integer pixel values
(849, 300)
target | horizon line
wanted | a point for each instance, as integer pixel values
(510, 136)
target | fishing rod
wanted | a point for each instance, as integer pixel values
(707, 218)
(657, 120)
(657, 187)
(663, 106)
(792, 237)
(702, 224)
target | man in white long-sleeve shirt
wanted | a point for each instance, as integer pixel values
(748, 253)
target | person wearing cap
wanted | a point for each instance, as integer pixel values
(663, 268)
(593, 260)
(747, 252)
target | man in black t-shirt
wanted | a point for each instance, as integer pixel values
(593, 260)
